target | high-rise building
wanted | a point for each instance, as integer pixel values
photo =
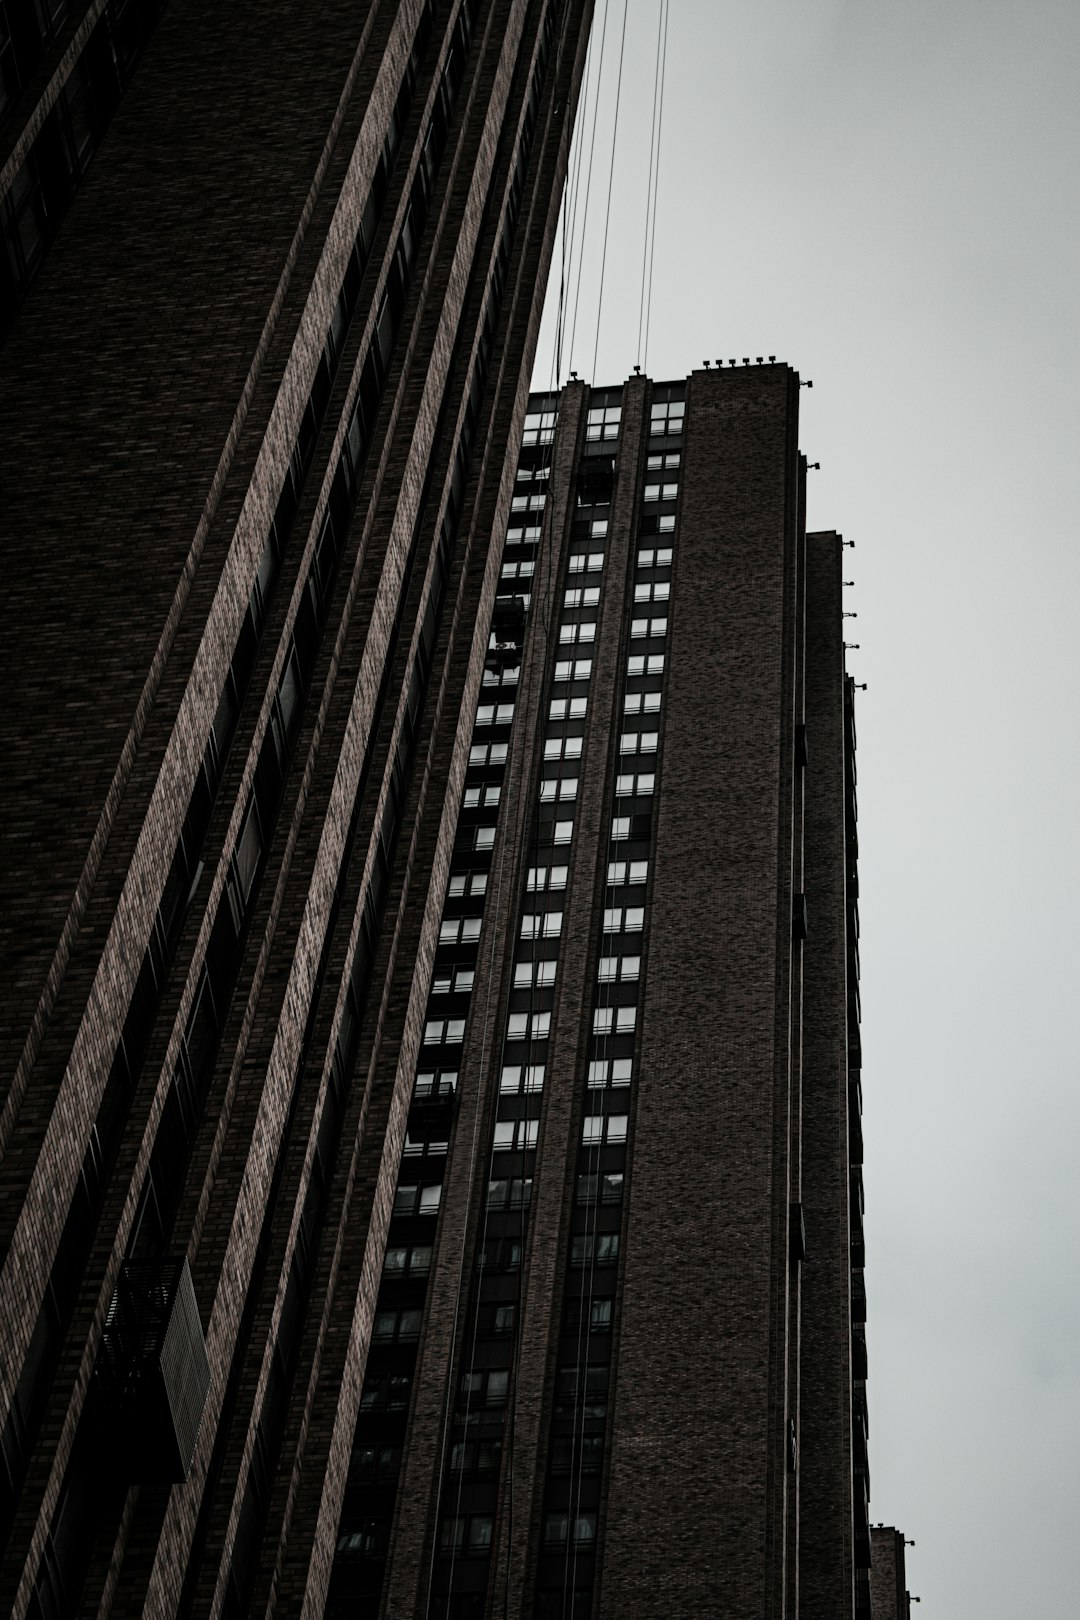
(431, 1146)
(260, 403)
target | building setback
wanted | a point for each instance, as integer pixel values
(430, 1147)
(890, 1599)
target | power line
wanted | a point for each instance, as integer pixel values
(611, 177)
(649, 183)
(656, 184)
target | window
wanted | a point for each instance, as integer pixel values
(620, 829)
(638, 742)
(664, 463)
(657, 591)
(488, 753)
(588, 596)
(463, 930)
(657, 491)
(417, 1147)
(625, 968)
(640, 665)
(450, 1030)
(580, 1528)
(641, 784)
(516, 1078)
(487, 796)
(568, 708)
(655, 559)
(619, 1020)
(666, 416)
(563, 748)
(615, 919)
(411, 1199)
(541, 925)
(563, 832)
(528, 974)
(408, 1262)
(579, 669)
(506, 677)
(608, 1188)
(558, 787)
(619, 872)
(509, 1192)
(516, 1133)
(491, 714)
(602, 422)
(519, 570)
(647, 627)
(569, 634)
(666, 523)
(582, 562)
(546, 877)
(641, 703)
(539, 427)
(485, 838)
(391, 1326)
(518, 1026)
(609, 1072)
(435, 1083)
(603, 1249)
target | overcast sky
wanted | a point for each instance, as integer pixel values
(885, 196)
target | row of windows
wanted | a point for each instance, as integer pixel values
(581, 1390)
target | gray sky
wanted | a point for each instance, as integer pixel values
(885, 196)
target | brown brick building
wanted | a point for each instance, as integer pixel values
(429, 1138)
